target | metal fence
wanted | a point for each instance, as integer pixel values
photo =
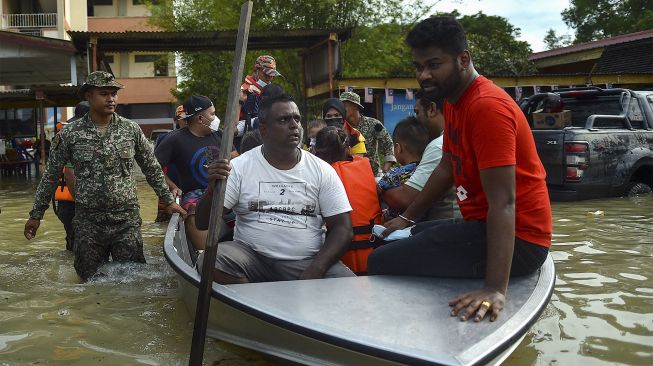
(18, 21)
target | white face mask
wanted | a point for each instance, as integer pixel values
(261, 83)
(215, 123)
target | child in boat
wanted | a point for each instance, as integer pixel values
(355, 172)
(312, 129)
(410, 139)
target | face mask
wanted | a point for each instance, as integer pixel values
(336, 121)
(311, 143)
(261, 83)
(215, 124)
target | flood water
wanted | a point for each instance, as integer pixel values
(601, 311)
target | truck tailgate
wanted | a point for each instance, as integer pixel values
(550, 147)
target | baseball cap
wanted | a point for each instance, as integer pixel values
(195, 104)
(100, 79)
(351, 97)
(268, 64)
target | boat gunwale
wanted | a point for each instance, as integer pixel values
(481, 357)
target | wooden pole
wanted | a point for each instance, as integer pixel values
(210, 252)
(40, 96)
(330, 65)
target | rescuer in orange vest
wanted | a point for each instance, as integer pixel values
(356, 174)
(64, 197)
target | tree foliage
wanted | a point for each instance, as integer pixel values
(596, 19)
(376, 49)
(494, 46)
(552, 40)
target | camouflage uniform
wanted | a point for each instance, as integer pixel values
(107, 219)
(376, 142)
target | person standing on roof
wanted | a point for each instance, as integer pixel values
(377, 139)
(102, 148)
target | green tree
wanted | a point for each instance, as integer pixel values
(596, 19)
(552, 40)
(493, 44)
(373, 50)
(376, 48)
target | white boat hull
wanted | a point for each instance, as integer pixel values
(374, 320)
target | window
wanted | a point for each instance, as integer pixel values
(142, 2)
(147, 58)
(160, 63)
(161, 66)
(146, 110)
(17, 123)
(635, 114)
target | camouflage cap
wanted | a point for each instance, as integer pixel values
(351, 97)
(268, 64)
(100, 79)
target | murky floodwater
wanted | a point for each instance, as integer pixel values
(601, 311)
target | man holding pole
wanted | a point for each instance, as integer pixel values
(282, 196)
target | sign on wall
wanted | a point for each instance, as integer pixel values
(399, 108)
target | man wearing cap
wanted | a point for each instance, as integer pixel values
(186, 149)
(102, 147)
(377, 139)
(265, 69)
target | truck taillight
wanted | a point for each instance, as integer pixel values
(576, 147)
(577, 158)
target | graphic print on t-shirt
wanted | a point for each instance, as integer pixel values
(283, 204)
(199, 163)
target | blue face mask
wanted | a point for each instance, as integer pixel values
(261, 83)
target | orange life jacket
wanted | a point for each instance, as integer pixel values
(360, 185)
(63, 192)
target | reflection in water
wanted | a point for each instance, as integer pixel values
(600, 312)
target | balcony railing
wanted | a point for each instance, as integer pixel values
(20, 21)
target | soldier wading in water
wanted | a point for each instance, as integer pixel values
(102, 147)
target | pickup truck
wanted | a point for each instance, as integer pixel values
(608, 149)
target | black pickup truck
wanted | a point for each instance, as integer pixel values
(608, 149)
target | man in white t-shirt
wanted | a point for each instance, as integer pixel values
(429, 113)
(282, 197)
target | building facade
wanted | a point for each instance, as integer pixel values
(148, 77)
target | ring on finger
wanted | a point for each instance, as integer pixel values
(486, 303)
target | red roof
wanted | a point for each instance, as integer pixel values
(591, 45)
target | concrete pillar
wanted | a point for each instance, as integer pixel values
(73, 69)
(124, 64)
(61, 19)
(122, 8)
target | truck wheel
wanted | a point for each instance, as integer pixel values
(637, 189)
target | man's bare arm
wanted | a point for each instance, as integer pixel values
(435, 188)
(399, 198)
(499, 187)
(335, 245)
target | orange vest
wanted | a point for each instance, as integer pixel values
(63, 193)
(360, 186)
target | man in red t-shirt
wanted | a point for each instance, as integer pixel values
(490, 158)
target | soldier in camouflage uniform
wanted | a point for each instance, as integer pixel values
(102, 147)
(377, 139)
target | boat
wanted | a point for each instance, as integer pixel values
(367, 320)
